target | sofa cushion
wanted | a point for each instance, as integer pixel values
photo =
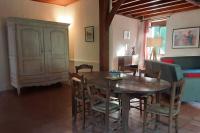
(186, 62)
(170, 60)
(192, 73)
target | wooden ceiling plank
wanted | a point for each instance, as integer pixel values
(183, 10)
(151, 6)
(57, 2)
(130, 2)
(158, 9)
(167, 11)
(127, 2)
(140, 3)
(194, 3)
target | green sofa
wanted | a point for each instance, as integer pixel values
(169, 72)
(190, 66)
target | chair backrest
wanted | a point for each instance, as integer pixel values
(168, 72)
(100, 95)
(96, 95)
(176, 95)
(84, 66)
(150, 72)
(77, 83)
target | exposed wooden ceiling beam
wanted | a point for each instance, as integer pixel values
(167, 11)
(194, 2)
(160, 9)
(57, 2)
(128, 2)
(137, 4)
(142, 8)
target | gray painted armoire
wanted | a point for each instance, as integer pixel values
(38, 52)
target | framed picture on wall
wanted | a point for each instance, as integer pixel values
(127, 35)
(186, 38)
(89, 34)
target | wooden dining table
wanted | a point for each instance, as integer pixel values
(127, 86)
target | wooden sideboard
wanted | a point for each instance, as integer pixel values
(126, 62)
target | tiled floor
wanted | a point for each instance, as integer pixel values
(48, 110)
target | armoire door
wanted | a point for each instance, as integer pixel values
(30, 50)
(57, 47)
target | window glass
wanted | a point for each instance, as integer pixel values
(158, 31)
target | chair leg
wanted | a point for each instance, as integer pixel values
(120, 105)
(140, 100)
(170, 124)
(152, 101)
(176, 123)
(145, 115)
(75, 111)
(83, 114)
(92, 119)
(157, 116)
(157, 121)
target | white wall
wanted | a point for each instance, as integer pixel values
(84, 13)
(118, 26)
(182, 20)
(21, 8)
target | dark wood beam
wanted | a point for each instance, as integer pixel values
(104, 6)
(160, 9)
(137, 4)
(150, 6)
(57, 2)
(167, 12)
(193, 2)
(114, 11)
(127, 2)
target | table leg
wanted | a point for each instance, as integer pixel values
(107, 107)
(157, 116)
(145, 115)
(125, 112)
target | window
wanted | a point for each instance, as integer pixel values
(158, 29)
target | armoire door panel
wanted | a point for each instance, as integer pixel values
(58, 43)
(33, 67)
(31, 50)
(58, 66)
(57, 54)
(31, 42)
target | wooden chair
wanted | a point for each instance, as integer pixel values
(102, 104)
(80, 96)
(148, 72)
(170, 110)
(84, 66)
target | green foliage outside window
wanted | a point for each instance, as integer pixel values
(160, 32)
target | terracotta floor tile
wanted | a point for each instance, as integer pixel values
(48, 110)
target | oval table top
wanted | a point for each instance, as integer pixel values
(126, 83)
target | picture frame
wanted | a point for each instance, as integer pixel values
(127, 35)
(185, 38)
(89, 34)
